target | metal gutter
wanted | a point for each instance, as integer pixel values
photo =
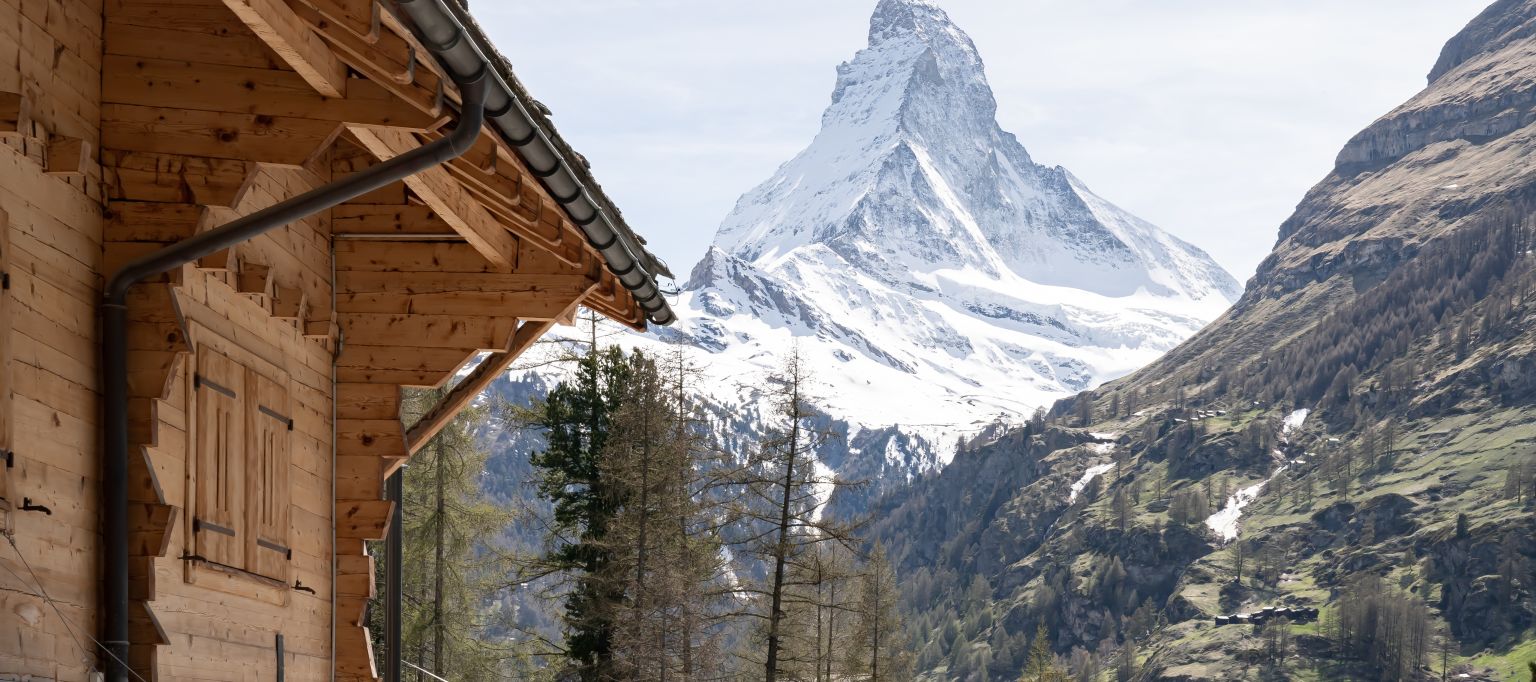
(473, 85)
(447, 31)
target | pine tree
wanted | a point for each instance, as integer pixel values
(1042, 662)
(879, 647)
(660, 534)
(780, 501)
(447, 570)
(576, 417)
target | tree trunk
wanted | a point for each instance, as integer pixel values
(780, 553)
(441, 528)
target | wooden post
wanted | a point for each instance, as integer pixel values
(7, 458)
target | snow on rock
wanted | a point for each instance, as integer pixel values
(1092, 473)
(1104, 435)
(1225, 522)
(1294, 420)
(934, 276)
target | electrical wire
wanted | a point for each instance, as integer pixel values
(42, 593)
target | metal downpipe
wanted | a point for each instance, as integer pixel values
(445, 35)
(114, 330)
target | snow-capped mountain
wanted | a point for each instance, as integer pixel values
(935, 276)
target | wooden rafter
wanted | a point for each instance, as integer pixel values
(282, 30)
(446, 196)
(473, 385)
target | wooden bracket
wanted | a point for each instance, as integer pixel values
(15, 115)
(68, 156)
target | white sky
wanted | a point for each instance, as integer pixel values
(1210, 118)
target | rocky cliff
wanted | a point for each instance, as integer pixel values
(1353, 434)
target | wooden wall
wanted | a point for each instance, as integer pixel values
(50, 66)
(127, 125)
(181, 157)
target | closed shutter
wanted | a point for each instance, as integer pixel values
(220, 481)
(267, 477)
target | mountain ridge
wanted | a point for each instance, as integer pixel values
(1361, 413)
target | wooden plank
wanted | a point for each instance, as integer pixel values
(138, 221)
(279, 140)
(141, 176)
(150, 528)
(236, 89)
(357, 16)
(375, 438)
(409, 219)
(541, 297)
(531, 304)
(416, 358)
(204, 41)
(386, 256)
(277, 25)
(363, 519)
(438, 190)
(354, 653)
(359, 477)
(428, 331)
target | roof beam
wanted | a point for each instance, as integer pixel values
(444, 194)
(492, 367)
(281, 29)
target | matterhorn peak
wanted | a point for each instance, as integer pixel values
(901, 19)
(931, 274)
(914, 247)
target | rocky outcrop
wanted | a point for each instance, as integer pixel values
(1486, 576)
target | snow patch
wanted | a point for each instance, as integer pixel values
(1225, 522)
(1081, 483)
(1294, 420)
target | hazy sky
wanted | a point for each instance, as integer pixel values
(1210, 118)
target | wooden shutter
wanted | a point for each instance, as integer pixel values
(271, 427)
(219, 511)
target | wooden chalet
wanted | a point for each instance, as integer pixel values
(219, 275)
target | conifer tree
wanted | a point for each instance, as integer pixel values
(781, 493)
(879, 647)
(446, 570)
(660, 533)
(1042, 662)
(577, 417)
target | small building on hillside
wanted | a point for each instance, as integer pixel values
(231, 231)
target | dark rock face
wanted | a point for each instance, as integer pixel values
(1502, 23)
(1486, 577)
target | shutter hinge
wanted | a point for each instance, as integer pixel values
(5, 280)
(27, 506)
(199, 525)
(10, 458)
